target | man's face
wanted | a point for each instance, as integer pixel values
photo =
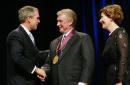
(63, 23)
(34, 21)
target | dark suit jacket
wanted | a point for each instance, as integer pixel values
(76, 64)
(115, 58)
(22, 56)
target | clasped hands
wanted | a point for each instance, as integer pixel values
(41, 74)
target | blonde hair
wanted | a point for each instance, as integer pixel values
(70, 14)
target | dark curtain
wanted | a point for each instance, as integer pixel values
(88, 22)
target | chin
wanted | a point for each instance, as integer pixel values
(61, 30)
(103, 27)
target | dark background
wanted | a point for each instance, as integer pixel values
(88, 22)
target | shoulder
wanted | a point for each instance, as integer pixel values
(121, 31)
(56, 39)
(16, 33)
(12, 33)
(82, 35)
(121, 35)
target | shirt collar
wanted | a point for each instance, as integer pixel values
(66, 34)
(26, 29)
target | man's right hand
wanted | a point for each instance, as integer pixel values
(40, 74)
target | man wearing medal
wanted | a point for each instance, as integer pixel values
(72, 54)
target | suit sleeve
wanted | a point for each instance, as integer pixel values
(122, 43)
(88, 59)
(16, 52)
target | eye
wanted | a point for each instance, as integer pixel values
(38, 17)
(59, 21)
(101, 17)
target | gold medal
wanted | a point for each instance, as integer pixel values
(55, 59)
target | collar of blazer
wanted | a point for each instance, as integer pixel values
(68, 46)
(26, 36)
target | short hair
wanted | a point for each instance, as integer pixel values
(25, 12)
(114, 12)
(70, 14)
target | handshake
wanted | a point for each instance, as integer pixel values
(41, 74)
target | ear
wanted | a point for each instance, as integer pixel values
(70, 22)
(29, 19)
(110, 18)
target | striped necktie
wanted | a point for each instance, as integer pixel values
(32, 38)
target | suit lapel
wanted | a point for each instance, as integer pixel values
(26, 35)
(68, 46)
(55, 43)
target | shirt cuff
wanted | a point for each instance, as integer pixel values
(33, 69)
(81, 83)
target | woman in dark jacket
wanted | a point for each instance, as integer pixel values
(115, 53)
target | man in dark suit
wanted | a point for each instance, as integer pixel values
(71, 54)
(22, 53)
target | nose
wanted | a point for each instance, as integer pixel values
(38, 21)
(100, 20)
(58, 24)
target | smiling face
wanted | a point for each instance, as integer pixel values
(112, 13)
(63, 23)
(105, 21)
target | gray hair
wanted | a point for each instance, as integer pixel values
(70, 14)
(25, 12)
